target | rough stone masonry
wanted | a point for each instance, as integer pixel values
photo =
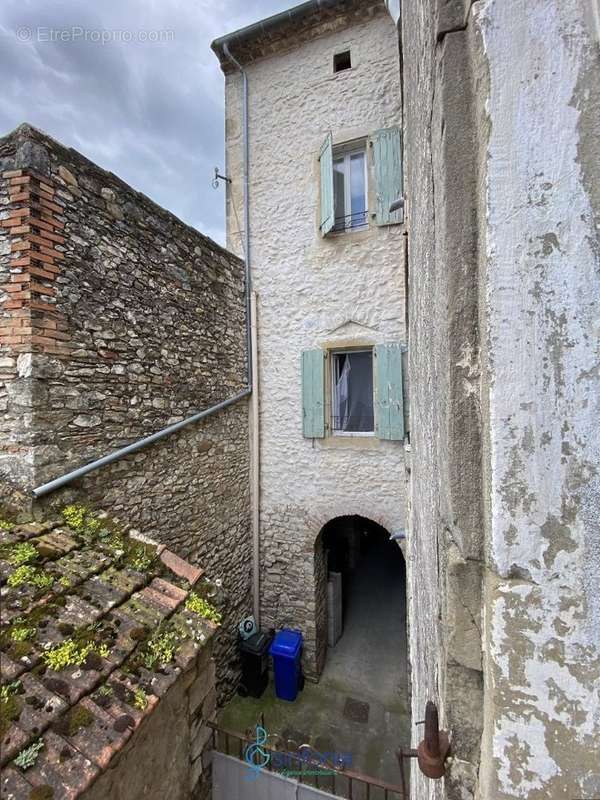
(116, 321)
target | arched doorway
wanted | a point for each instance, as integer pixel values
(360, 596)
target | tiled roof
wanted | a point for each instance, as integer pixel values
(95, 627)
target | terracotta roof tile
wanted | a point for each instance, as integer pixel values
(13, 784)
(96, 738)
(104, 613)
(181, 567)
(12, 741)
(62, 767)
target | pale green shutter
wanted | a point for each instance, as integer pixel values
(390, 407)
(313, 393)
(387, 158)
(326, 167)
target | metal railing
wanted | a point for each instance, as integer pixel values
(311, 769)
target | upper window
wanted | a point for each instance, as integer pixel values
(343, 173)
(350, 189)
(341, 61)
(352, 392)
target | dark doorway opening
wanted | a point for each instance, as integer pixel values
(362, 633)
(369, 573)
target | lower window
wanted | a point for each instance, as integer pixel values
(352, 392)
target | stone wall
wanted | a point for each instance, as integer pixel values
(541, 293)
(124, 321)
(343, 290)
(501, 163)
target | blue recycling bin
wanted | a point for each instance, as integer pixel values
(286, 650)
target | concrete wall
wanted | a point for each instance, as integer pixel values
(501, 159)
(131, 321)
(314, 292)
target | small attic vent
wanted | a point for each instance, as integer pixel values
(341, 61)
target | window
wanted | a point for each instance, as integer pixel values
(353, 373)
(341, 61)
(352, 392)
(349, 189)
(343, 181)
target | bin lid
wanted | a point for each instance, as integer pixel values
(257, 644)
(286, 643)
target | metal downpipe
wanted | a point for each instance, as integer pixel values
(251, 315)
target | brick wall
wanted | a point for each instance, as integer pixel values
(123, 320)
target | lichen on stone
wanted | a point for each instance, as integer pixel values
(29, 755)
(19, 553)
(21, 633)
(10, 705)
(73, 653)
(44, 792)
(159, 649)
(74, 720)
(26, 574)
(140, 699)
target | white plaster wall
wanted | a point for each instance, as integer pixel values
(542, 305)
(315, 292)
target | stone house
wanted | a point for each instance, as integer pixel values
(313, 100)
(492, 280)
(488, 271)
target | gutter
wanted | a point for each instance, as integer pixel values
(57, 483)
(267, 25)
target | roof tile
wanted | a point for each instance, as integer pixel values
(96, 598)
(62, 767)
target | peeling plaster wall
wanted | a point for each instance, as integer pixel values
(502, 159)
(542, 299)
(342, 290)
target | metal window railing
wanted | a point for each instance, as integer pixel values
(356, 220)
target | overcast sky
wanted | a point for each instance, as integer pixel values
(149, 111)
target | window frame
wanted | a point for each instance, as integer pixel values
(345, 152)
(333, 385)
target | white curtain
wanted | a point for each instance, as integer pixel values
(354, 394)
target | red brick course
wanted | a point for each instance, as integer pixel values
(31, 322)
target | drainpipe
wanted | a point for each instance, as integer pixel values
(252, 350)
(51, 486)
(255, 470)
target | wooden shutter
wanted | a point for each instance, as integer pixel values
(327, 218)
(390, 407)
(313, 393)
(387, 158)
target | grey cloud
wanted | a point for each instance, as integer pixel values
(152, 113)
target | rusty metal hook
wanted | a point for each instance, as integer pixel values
(433, 749)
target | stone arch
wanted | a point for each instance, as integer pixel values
(350, 525)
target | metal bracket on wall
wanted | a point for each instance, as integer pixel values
(218, 177)
(432, 751)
